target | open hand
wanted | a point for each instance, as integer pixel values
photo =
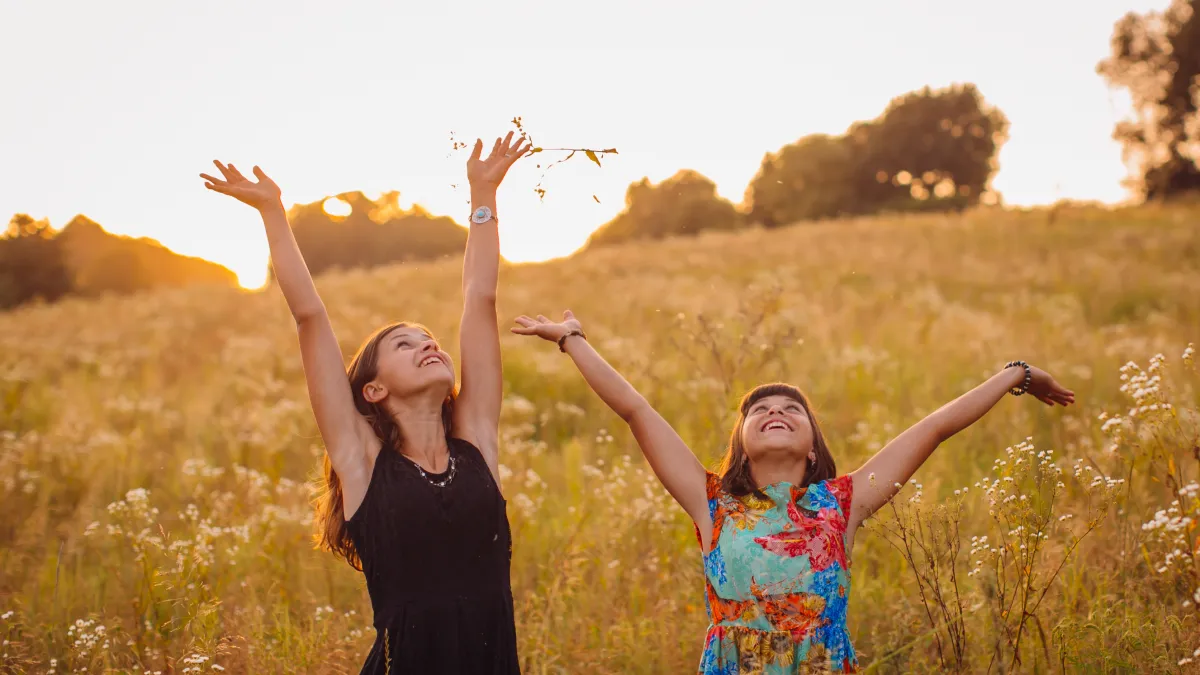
(545, 328)
(488, 173)
(260, 195)
(1044, 388)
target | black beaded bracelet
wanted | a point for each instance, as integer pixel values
(562, 340)
(1017, 391)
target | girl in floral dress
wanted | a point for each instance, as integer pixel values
(776, 523)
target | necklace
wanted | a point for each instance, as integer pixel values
(450, 471)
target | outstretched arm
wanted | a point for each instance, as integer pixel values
(347, 436)
(672, 461)
(900, 459)
(477, 413)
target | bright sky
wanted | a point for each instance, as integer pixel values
(112, 108)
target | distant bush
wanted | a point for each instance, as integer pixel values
(685, 203)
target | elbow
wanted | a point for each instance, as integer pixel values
(308, 315)
(630, 413)
(480, 294)
(940, 435)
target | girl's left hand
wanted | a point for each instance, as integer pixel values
(1044, 388)
(545, 328)
(265, 193)
(488, 173)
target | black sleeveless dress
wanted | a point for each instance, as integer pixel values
(437, 561)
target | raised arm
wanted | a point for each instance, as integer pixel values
(477, 413)
(348, 438)
(672, 461)
(900, 458)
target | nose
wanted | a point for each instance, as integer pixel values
(429, 345)
(775, 409)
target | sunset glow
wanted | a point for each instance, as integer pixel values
(137, 97)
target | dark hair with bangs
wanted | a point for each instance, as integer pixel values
(735, 466)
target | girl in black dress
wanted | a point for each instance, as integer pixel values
(413, 488)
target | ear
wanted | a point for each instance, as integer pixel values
(374, 392)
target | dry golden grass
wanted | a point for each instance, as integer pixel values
(156, 451)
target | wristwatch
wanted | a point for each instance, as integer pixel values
(481, 215)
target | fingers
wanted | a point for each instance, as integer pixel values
(568, 315)
(495, 149)
(224, 171)
(518, 151)
(1052, 397)
(525, 321)
(236, 174)
(543, 319)
(477, 152)
(524, 331)
(212, 181)
(262, 176)
(507, 147)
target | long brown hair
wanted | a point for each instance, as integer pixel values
(332, 533)
(735, 466)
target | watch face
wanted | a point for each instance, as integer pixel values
(482, 215)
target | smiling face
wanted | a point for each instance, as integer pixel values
(409, 361)
(776, 424)
(775, 421)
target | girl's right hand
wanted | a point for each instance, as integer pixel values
(546, 329)
(263, 194)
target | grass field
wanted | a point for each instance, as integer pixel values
(157, 451)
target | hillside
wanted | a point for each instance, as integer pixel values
(154, 464)
(103, 262)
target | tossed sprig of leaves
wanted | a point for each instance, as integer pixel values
(591, 153)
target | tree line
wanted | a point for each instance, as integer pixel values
(39, 262)
(928, 150)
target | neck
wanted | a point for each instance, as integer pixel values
(421, 427)
(774, 468)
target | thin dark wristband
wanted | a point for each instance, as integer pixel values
(562, 340)
(1017, 391)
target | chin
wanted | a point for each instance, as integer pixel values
(779, 445)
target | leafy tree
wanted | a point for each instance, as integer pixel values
(101, 262)
(930, 149)
(1156, 58)
(686, 203)
(31, 263)
(373, 233)
(809, 179)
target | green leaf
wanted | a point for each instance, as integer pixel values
(591, 154)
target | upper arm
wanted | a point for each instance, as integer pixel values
(347, 436)
(477, 410)
(875, 481)
(677, 468)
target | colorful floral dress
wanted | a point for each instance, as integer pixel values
(777, 580)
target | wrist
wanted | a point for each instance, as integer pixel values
(1018, 377)
(272, 207)
(571, 338)
(484, 193)
(1013, 375)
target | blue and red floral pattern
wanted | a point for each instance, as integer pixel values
(777, 580)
